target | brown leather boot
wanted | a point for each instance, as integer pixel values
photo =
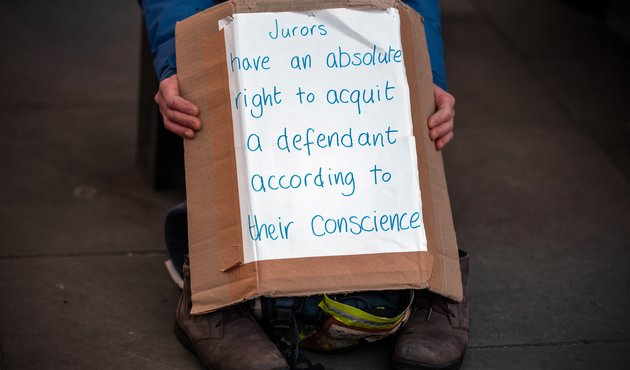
(437, 335)
(228, 339)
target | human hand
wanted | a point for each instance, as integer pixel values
(441, 122)
(179, 115)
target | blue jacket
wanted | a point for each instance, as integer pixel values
(161, 16)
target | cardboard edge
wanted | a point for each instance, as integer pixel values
(229, 232)
(441, 242)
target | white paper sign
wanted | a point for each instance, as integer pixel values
(326, 157)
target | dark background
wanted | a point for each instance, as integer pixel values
(539, 178)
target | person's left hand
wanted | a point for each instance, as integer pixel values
(441, 122)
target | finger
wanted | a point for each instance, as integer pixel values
(445, 107)
(178, 103)
(159, 100)
(441, 142)
(169, 91)
(441, 130)
(183, 119)
(179, 130)
(441, 116)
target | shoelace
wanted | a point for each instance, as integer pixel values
(433, 302)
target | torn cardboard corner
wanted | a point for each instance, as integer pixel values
(223, 270)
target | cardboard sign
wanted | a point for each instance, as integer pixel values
(306, 176)
(325, 152)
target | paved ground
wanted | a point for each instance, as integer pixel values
(539, 177)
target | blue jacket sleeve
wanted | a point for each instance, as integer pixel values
(430, 10)
(160, 17)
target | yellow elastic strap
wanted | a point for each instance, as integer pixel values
(353, 316)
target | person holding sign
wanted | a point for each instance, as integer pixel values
(436, 336)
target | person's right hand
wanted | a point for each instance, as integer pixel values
(179, 115)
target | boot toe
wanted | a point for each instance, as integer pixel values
(271, 361)
(435, 356)
(421, 354)
(253, 355)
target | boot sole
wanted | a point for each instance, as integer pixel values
(404, 365)
(185, 341)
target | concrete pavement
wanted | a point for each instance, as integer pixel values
(539, 178)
